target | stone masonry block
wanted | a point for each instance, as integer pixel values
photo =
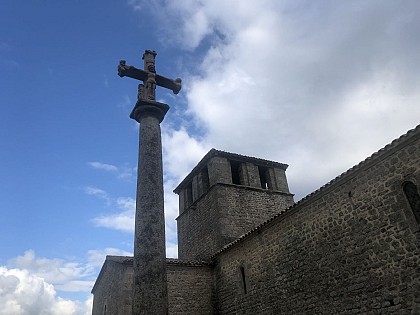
(280, 180)
(249, 175)
(219, 171)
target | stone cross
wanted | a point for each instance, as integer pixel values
(147, 90)
(149, 262)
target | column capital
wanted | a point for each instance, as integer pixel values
(146, 108)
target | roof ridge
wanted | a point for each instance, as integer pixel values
(129, 259)
(191, 262)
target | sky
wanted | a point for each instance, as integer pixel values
(318, 85)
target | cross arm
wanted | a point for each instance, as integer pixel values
(132, 72)
(174, 85)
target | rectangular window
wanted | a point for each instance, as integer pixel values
(413, 197)
(188, 195)
(205, 179)
(263, 171)
(235, 166)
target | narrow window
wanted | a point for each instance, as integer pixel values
(263, 177)
(413, 197)
(189, 195)
(105, 309)
(205, 179)
(243, 278)
(235, 166)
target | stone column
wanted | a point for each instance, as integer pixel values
(149, 281)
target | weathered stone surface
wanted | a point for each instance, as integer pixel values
(190, 289)
(219, 171)
(149, 264)
(149, 77)
(113, 289)
(149, 283)
(249, 175)
(351, 248)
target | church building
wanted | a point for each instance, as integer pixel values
(245, 246)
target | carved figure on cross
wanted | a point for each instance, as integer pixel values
(147, 89)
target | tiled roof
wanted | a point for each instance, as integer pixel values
(377, 156)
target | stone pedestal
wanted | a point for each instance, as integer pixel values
(149, 283)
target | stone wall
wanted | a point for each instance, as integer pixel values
(243, 208)
(114, 290)
(190, 289)
(198, 227)
(222, 215)
(353, 247)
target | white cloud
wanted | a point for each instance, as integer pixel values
(97, 192)
(96, 257)
(171, 250)
(136, 4)
(75, 286)
(127, 173)
(122, 172)
(32, 285)
(65, 275)
(317, 85)
(181, 153)
(103, 166)
(126, 203)
(122, 220)
(23, 293)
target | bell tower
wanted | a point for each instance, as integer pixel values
(225, 196)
